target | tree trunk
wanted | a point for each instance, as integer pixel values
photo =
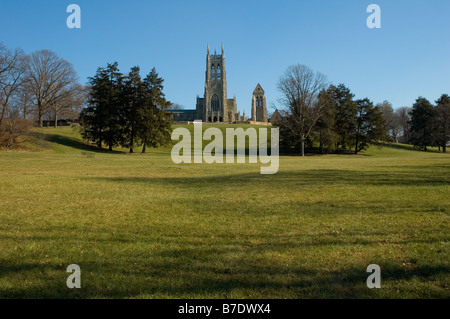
(302, 147)
(3, 115)
(144, 147)
(55, 118)
(320, 142)
(444, 147)
(132, 143)
(110, 139)
(40, 115)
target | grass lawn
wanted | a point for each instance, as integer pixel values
(140, 226)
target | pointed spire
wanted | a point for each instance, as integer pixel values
(223, 54)
(208, 48)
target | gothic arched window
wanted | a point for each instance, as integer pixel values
(218, 72)
(213, 72)
(215, 104)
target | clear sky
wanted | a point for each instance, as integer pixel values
(407, 58)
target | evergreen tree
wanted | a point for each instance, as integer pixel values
(126, 111)
(133, 96)
(370, 125)
(441, 122)
(155, 124)
(93, 117)
(102, 120)
(324, 130)
(345, 114)
(422, 123)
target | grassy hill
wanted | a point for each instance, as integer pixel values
(140, 226)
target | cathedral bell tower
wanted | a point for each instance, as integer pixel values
(259, 107)
(215, 106)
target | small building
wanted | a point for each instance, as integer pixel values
(276, 118)
(183, 115)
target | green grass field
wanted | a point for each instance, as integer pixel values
(140, 226)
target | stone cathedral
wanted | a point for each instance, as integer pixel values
(215, 106)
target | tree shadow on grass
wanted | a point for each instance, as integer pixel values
(192, 265)
(71, 142)
(406, 147)
(410, 176)
(189, 272)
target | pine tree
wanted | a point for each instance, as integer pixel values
(102, 121)
(441, 122)
(155, 125)
(92, 118)
(133, 97)
(126, 111)
(346, 112)
(370, 127)
(422, 123)
(324, 130)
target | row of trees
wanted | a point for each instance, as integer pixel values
(421, 125)
(126, 110)
(38, 86)
(314, 111)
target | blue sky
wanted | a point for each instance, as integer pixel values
(408, 57)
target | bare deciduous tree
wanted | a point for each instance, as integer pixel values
(49, 78)
(404, 119)
(176, 106)
(391, 118)
(70, 103)
(300, 88)
(13, 65)
(13, 128)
